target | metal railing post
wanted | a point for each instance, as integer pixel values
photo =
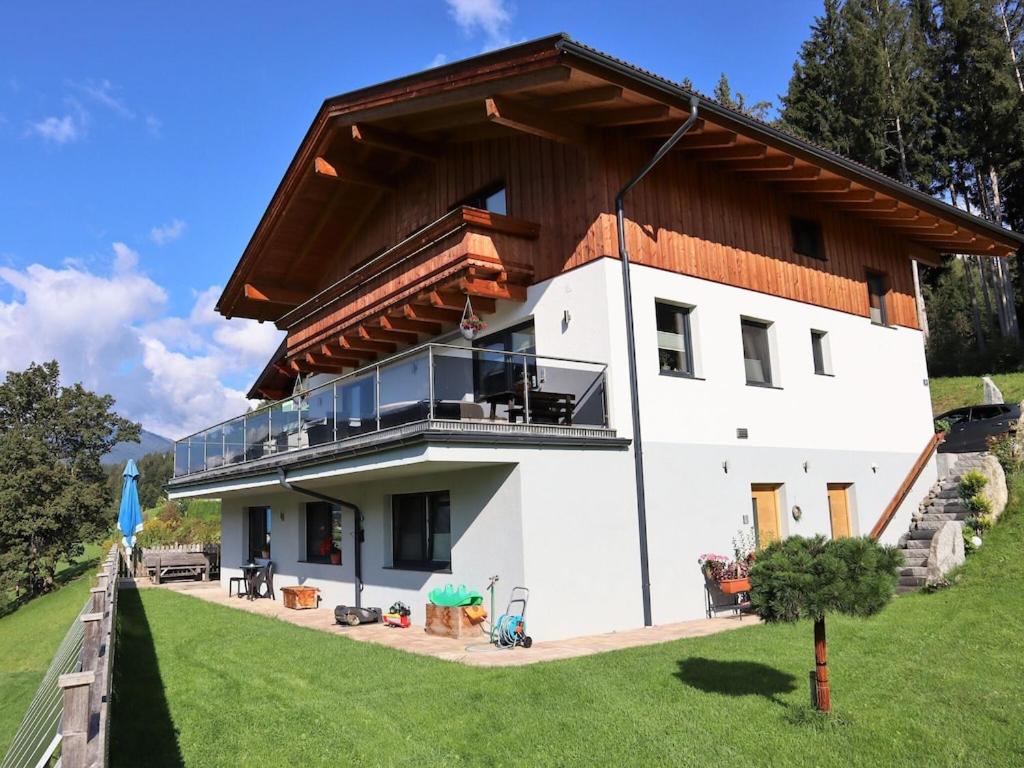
(334, 421)
(74, 720)
(526, 390)
(430, 376)
(376, 394)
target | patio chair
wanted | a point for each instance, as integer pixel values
(263, 585)
(239, 584)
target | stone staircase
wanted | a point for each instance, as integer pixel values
(942, 504)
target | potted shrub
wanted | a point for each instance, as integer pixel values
(471, 325)
(335, 556)
(731, 576)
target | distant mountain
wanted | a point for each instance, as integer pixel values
(148, 443)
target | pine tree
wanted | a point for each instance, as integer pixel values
(724, 95)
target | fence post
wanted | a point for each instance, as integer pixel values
(99, 600)
(92, 624)
(74, 720)
(101, 580)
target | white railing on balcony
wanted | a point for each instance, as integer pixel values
(427, 383)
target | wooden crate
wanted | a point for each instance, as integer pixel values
(299, 598)
(449, 622)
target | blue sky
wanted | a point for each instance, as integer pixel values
(140, 143)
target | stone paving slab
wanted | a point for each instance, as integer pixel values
(478, 653)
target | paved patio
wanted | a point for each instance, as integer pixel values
(477, 653)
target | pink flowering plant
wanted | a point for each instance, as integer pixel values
(721, 568)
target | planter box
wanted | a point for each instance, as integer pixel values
(449, 622)
(299, 598)
(734, 586)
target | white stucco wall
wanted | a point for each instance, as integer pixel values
(563, 522)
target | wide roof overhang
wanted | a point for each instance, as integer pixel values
(362, 144)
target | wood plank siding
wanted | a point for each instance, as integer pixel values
(689, 217)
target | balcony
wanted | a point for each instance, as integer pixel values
(433, 388)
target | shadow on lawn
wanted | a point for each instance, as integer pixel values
(61, 578)
(736, 678)
(141, 729)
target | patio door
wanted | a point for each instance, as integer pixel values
(497, 373)
(839, 509)
(764, 501)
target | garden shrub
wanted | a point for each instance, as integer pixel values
(1007, 451)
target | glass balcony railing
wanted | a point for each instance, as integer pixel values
(431, 382)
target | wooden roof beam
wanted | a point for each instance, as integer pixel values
(402, 322)
(758, 164)
(352, 174)
(743, 152)
(379, 333)
(501, 111)
(378, 138)
(325, 364)
(629, 116)
(664, 129)
(813, 186)
(355, 344)
(583, 98)
(878, 205)
(335, 348)
(850, 196)
(796, 173)
(451, 300)
(339, 357)
(707, 139)
(896, 214)
(428, 312)
(274, 295)
(481, 289)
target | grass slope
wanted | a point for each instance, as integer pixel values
(933, 680)
(29, 636)
(957, 391)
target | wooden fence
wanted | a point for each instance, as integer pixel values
(69, 715)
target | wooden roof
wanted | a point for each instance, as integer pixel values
(362, 143)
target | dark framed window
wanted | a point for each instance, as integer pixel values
(421, 531)
(756, 352)
(491, 198)
(260, 519)
(807, 237)
(819, 352)
(878, 292)
(323, 533)
(675, 344)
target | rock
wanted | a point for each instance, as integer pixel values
(946, 551)
(995, 488)
(990, 392)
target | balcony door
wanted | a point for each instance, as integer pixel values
(497, 373)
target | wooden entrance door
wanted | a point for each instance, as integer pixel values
(765, 502)
(839, 510)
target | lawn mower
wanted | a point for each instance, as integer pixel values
(353, 617)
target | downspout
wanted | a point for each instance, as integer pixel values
(282, 478)
(627, 291)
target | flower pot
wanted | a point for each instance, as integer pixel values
(468, 333)
(335, 558)
(734, 586)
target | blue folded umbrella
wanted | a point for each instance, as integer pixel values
(129, 518)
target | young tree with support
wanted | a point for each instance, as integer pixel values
(802, 578)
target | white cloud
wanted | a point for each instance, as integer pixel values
(488, 16)
(438, 60)
(168, 232)
(59, 130)
(103, 92)
(113, 333)
(153, 125)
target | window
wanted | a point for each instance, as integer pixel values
(498, 372)
(675, 351)
(259, 532)
(756, 354)
(421, 531)
(820, 353)
(807, 239)
(878, 290)
(491, 199)
(323, 533)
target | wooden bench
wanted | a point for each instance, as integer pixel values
(161, 564)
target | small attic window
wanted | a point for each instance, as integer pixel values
(807, 239)
(490, 198)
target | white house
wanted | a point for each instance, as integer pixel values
(780, 374)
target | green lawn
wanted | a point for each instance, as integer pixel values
(935, 680)
(30, 634)
(955, 391)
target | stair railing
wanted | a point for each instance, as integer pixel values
(905, 486)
